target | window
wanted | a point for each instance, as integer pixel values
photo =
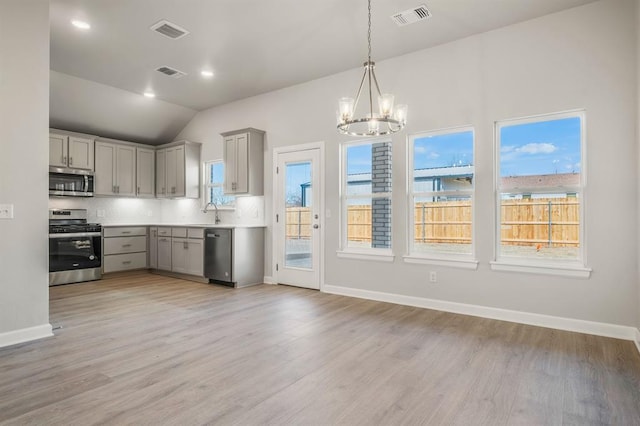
(441, 182)
(366, 197)
(214, 185)
(540, 183)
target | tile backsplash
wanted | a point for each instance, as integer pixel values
(249, 210)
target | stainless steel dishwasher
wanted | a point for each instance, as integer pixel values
(218, 254)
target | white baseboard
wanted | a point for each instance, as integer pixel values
(268, 280)
(548, 321)
(25, 335)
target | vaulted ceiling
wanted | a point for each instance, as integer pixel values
(251, 46)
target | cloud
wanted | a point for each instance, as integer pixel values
(420, 150)
(434, 155)
(537, 148)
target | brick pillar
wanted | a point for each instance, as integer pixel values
(381, 207)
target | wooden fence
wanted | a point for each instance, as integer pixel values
(525, 222)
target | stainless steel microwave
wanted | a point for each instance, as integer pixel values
(71, 182)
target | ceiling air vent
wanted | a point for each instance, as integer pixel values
(169, 29)
(171, 72)
(411, 16)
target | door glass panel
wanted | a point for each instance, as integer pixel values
(298, 199)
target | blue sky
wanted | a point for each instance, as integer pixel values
(443, 150)
(546, 147)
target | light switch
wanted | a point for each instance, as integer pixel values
(6, 211)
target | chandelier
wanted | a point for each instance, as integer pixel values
(385, 120)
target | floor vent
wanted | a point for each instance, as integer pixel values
(169, 29)
(171, 72)
(411, 16)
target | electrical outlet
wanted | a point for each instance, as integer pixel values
(100, 213)
(433, 277)
(6, 211)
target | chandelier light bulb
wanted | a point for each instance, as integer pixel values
(346, 109)
(385, 102)
(401, 114)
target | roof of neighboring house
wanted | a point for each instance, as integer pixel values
(537, 181)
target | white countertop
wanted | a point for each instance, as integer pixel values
(183, 225)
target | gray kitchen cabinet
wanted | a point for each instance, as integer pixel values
(187, 251)
(153, 247)
(244, 162)
(115, 169)
(145, 172)
(71, 151)
(125, 248)
(161, 176)
(164, 249)
(178, 170)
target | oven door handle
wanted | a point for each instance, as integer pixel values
(76, 235)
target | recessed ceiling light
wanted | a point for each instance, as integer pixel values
(206, 73)
(150, 94)
(81, 24)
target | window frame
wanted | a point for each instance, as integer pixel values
(459, 260)
(561, 267)
(206, 185)
(362, 253)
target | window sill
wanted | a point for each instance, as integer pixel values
(463, 263)
(562, 270)
(383, 256)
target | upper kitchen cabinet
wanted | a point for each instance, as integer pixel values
(115, 166)
(145, 172)
(244, 162)
(71, 151)
(178, 170)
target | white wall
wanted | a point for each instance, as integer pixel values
(638, 134)
(580, 58)
(24, 156)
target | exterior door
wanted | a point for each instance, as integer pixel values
(298, 221)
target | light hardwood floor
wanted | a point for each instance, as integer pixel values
(147, 349)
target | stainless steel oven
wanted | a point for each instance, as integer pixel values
(75, 247)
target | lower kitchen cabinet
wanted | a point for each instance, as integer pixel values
(124, 248)
(187, 251)
(164, 249)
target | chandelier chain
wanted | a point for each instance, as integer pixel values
(369, 33)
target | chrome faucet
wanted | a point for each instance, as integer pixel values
(217, 219)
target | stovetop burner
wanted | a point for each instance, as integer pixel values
(71, 221)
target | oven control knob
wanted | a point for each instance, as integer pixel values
(92, 257)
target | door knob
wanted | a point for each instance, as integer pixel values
(316, 226)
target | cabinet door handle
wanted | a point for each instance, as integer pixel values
(70, 161)
(138, 190)
(126, 262)
(126, 245)
(125, 232)
(113, 189)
